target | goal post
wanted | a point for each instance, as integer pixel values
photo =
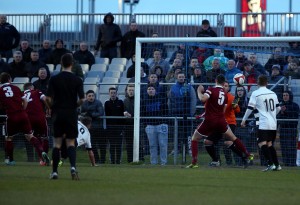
(250, 41)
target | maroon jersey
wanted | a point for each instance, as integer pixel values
(35, 106)
(11, 98)
(17, 119)
(36, 113)
(214, 118)
(214, 106)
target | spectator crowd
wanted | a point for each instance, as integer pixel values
(168, 89)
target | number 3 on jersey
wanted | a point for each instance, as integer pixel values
(8, 92)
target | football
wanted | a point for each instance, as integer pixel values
(239, 79)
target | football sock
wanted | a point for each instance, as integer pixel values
(194, 147)
(212, 152)
(267, 154)
(45, 144)
(241, 147)
(9, 150)
(72, 155)
(274, 155)
(234, 148)
(37, 145)
(55, 158)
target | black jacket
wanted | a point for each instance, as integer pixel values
(17, 70)
(9, 37)
(26, 54)
(291, 112)
(109, 34)
(128, 43)
(41, 85)
(32, 68)
(207, 33)
(56, 54)
(114, 108)
(129, 107)
(4, 67)
(84, 57)
(44, 54)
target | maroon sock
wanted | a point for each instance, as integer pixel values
(9, 150)
(241, 147)
(194, 147)
(37, 145)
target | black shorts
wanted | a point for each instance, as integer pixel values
(266, 135)
(65, 123)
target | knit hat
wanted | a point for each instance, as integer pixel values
(205, 22)
(276, 66)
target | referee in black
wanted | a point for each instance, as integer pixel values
(64, 95)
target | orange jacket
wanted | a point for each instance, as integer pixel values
(230, 111)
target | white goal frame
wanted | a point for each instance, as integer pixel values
(138, 55)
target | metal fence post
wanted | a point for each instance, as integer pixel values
(220, 25)
(175, 140)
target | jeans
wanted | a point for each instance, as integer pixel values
(158, 135)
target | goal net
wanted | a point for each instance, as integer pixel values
(163, 125)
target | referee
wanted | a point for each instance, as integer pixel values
(64, 95)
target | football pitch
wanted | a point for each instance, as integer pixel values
(28, 183)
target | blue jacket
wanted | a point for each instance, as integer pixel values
(230, 74)
(154, 106)
(182, 100)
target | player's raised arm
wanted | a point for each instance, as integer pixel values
(200, 90)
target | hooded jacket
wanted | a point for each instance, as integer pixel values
(291, 112)
(109, 34)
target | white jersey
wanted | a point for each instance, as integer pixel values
(84, 136)
(266, 102)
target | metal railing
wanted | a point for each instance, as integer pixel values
(73, 28)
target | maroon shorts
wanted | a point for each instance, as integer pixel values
(39, 126)
(211, 126)
(18, 123)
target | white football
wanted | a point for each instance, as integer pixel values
(239, 79)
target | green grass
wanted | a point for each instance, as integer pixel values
(28, 183)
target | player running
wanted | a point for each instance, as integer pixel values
(14, 103)
(36, 113)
